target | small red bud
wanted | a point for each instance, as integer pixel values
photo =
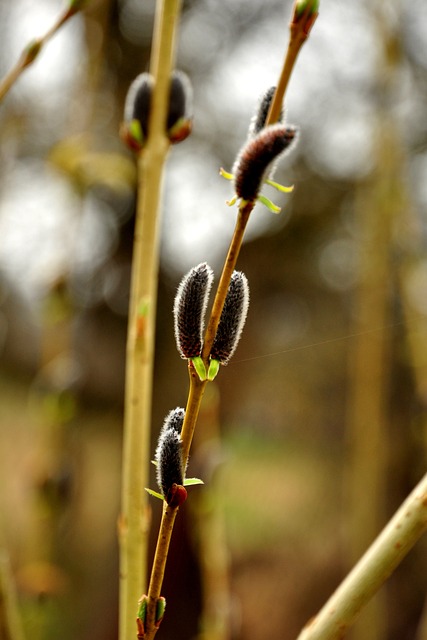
(176, 495)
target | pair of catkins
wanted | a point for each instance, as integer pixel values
(189, 312)
(253, 166)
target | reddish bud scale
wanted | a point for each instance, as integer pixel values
(189, 309)
(256, 157)
(176, 495)
(232, 320)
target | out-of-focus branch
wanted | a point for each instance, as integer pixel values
(33, 48)
(134, 522)
(384, 555)
(10, 621)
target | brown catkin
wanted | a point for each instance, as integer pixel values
(232, 319)
(189, 310)
(257, 156)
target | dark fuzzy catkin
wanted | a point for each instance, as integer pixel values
(169, 461)
(180, 98)
(232, 320)
(189, 309)
(168, 456)
(258, 121)
(138, 101)
(257, 156)
(174, 420)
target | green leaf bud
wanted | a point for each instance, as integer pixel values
(309, 6)
(213, 369)
(31, 52)
(160, 610)
(141, 616)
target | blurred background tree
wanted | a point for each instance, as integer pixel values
(322, 411)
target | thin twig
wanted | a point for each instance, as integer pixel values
(299, 28)
(158, 571)
(384, 555)
(33, 48)
(134, 522)
(195, 396)
(197, 387)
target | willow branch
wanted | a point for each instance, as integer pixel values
(10, 620)
(384, 555)
(197, 386)
(33, 48)
(299, 30)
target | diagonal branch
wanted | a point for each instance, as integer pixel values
(388, 550)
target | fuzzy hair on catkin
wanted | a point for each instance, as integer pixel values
(138, 101)
(258, 121)
(180, 98)
(169, 461)
(256, 159)
(233, 318)
(174, 420)
(189, 310)
(169, 464)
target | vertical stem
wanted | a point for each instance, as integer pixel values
(369, 439)
(134, 521)
(367, 422)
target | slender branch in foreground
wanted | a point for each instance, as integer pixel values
(33, 48)
(387, 551)
(134, 522)
(197, 386)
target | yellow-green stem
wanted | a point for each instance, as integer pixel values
(383, 556)
(229, 265)
(11, 624)
(299, 31)
(134, 521)
(195, 396)
(158, 571)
